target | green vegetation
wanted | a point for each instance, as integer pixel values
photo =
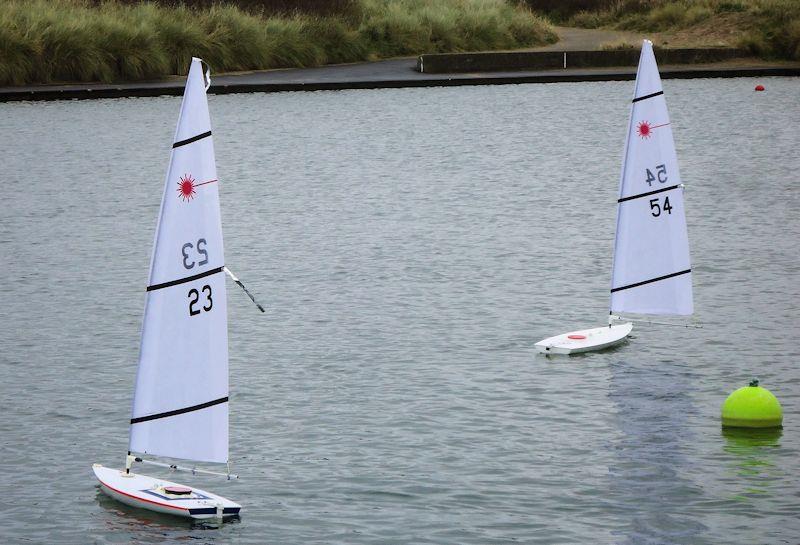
(779, 34)
(618, 46)
(769, 28)
(79, 40)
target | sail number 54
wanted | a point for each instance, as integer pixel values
(656, 207)
(660, 175)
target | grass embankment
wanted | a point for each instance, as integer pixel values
(769, 28)
(75, 40)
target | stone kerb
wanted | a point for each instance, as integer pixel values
(447, 63)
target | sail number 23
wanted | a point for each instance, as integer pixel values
(192, 254)
(194, 300)
(189, 257)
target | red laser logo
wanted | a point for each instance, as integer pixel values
(187, 185)
(645, 130)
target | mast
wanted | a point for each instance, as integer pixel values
(180, 405)
(651, 271)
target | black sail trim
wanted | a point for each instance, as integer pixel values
(184, 280)
(645, 97)
(642, 283)
(179, 411)
(640, 195)
(190, 140)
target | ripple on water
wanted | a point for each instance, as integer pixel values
(411, 246)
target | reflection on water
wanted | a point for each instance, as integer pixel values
(143, 526)
(654, 404)
(752, 451)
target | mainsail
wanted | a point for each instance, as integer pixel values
(180, 406)
(652, 269)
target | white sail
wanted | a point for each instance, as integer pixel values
(652, 270)
(180, 406)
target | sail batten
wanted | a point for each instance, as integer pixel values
(651, 271)
(176, 412)
(647, 194)
(651, 280)
(192, 139)
(180, 406)
(184, 280)
(645, 97)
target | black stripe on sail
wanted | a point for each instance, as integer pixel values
(190, 140)
(670, 188)
(637, 284)
(184, 280)
(179, 411)
(645, 97)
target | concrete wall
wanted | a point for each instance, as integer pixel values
(446, 63)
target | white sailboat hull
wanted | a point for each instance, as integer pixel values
(149, 493)
(585, 340)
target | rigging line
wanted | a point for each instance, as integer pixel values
(648, 321)
(239, 283)
(190, 140)
(176, 412)
(208, 182)
(184, 280)
(670, 188)
(194, 470)
(643, 282)
(645, 97)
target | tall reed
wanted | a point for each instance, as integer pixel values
(44, 41)
(771, 28)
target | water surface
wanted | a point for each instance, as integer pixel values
(411, 245)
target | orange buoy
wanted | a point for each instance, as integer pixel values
(576, 337)
(759, 87)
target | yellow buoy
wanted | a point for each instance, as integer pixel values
(752, 407)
